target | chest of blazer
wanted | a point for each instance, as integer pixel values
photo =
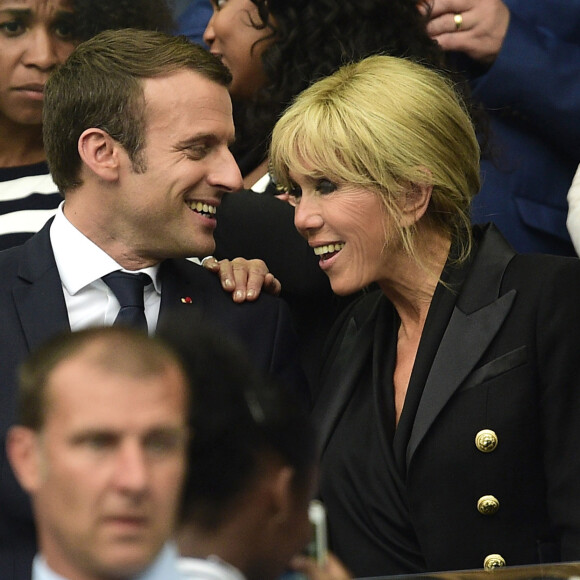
(506, 363)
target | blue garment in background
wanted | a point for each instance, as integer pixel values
(191, 22)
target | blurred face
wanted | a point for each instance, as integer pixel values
(169, 209)
(35, 36)
(231, 36)
(299, 528)
(347, 228)
(288, 538)
(107, 468)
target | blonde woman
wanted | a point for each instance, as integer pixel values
(449, 399)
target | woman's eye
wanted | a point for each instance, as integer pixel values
(294, 194)
(65, 30)
(12, 27)
(325, 186)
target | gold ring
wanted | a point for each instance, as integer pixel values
(458, 19)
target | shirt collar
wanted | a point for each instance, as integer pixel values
(210, 568)
(79, 260)
(163, 568)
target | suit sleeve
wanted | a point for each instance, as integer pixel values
(254, 225)
(537, 73)
(558, 339)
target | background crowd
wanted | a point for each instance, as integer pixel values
(398, 166)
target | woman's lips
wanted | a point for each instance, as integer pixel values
(32, 91)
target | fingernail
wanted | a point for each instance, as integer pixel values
(239, 295)
(228, 283)
(251, 293)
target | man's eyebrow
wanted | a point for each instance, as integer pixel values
(202, 138)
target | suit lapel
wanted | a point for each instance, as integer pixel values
(181, 289)
(475, 321)
(345, 370)
(37, 291)
(464, 342)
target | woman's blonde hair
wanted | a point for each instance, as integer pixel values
(386, 124)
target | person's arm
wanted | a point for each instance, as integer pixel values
(473, 27)
(258, 225)
(535, 72)
(557, 337)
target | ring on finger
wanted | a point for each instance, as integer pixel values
(458, 20)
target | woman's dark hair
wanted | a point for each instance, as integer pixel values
(312, 39)
(94, 16)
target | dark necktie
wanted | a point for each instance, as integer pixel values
(128, 288)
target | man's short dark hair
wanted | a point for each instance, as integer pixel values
(100, 85)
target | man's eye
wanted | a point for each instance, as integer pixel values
(164, 443)
(325, 186)
(221, 3)
(198, 152)
(100, 441)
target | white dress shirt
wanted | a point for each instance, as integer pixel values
(212, 568)
(81, 264)
(163, 568)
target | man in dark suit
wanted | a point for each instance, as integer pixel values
(137, 127)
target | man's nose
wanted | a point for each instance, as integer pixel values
(225, 173)
(131, 473)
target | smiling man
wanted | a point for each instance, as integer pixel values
(100, 446)
(136, 128)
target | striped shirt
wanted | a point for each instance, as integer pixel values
(28, 198)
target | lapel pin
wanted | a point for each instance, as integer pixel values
(187, 300)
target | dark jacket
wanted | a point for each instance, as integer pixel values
(506, 361)
(32, 309)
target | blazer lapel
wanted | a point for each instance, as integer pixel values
(475, 321)
(37, 291)
(345, 370)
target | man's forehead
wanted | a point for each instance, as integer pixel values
(82, 378)
(190, 105)
(185, 86)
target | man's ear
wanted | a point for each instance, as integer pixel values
(25, 456)
(415, 203)
(100, 153)
(283, 494)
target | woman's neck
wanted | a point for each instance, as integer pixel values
(413, 285)
(20, 144)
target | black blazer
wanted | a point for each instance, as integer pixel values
(507, 361)
(32, 308)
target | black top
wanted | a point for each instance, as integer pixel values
(363, 469)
